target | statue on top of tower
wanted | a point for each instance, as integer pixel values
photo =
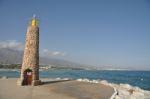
(34, 21)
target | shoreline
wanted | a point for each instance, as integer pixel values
(55, 89)
(127, 91)
(16, 69)
(119, 90)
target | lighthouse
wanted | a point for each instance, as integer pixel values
(30, 63)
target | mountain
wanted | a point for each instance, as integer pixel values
(11, 56)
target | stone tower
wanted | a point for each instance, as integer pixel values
(30, 64)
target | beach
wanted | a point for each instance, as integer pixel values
(55, 89)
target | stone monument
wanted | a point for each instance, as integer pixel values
(30, 64)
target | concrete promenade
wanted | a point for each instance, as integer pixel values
(54, 90)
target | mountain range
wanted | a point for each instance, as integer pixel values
(11, 56)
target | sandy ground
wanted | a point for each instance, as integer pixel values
(54, 90)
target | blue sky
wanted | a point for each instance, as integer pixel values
(95, 32)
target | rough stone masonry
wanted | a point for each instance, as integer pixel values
(30, 64)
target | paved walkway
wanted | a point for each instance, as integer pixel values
(54, 90)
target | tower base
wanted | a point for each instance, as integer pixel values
(34, 82)
(20, 82)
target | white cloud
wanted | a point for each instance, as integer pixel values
(48, 53)
(12, 44)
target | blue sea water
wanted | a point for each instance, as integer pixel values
(135, 78)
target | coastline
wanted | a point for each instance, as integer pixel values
(123, 91)
(71, 89)
(55, 89)
(134, 78)
(126, 91)
(120, 90)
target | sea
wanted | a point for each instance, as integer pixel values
(139, 79)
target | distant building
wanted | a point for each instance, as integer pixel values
(30, 64)
(46, 67)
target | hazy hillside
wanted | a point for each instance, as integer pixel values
(10, 56)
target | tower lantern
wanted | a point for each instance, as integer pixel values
(34, 21)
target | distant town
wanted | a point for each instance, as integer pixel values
(42, 67)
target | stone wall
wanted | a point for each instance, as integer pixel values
(31, 53)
